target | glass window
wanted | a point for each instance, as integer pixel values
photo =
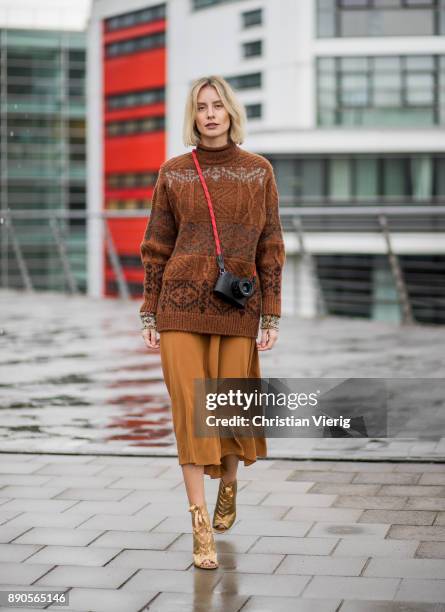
(422, 177)
(420, 89)
(253, 49)
(252, 18)
(254, 111)
(245, 81)
(130, 19)
(288, 180)
(366, 179)
(312, 180)
(340, 179)
(379, 18)
(394, 178)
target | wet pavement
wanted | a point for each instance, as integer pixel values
(76, 377)
(312, 536)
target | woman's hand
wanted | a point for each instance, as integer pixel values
(150, 338)
(267, 339)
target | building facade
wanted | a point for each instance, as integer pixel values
(42, 146)
(346, 98)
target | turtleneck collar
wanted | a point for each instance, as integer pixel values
(227, 153)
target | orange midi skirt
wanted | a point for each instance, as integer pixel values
(189, 355)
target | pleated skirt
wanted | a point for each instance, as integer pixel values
(189, 355)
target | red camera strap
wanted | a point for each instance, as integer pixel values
(212, 215)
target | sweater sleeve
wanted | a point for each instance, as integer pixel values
(270, 255)
(158, 244)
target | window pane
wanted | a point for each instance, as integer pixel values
(420, 89)
(340, 179)
(366, 179)
(286, 175)
(394, 178)
(387, 89)
(422, 177)
(312, 179)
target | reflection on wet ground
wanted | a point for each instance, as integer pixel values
(77, 377)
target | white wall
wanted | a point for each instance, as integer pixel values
(45, 14)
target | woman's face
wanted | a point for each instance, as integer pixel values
(212, 119)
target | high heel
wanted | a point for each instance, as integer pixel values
(225, 508)
(204, 549)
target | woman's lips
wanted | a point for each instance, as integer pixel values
(212, 125)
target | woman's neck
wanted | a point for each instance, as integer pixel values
(226, 153)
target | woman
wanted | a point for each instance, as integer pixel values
(200, 334)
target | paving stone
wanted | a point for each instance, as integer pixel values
(348, 530)
(73, 555)
(32, 492)
(440, 519)
(106, 507)
(22, 573)
(354, 587)
(106, 600)
(23, 480)
(150, 484)
(406, 568)
(312, 565)
(408, 466)
(298, 499)
(129, 471)
(120, 523)
(38, 505)
(345, 489)
(318, 476)
(373, 502)
(426, 533)
(331, 515)
(8, 516)
(385, 478)
(434, 478)
(71, 481)
(425, 503)
(282, 486)
(15, 553)
(18, 467)
(225, 543)
(363, 466)
(413, 490)
(68, 469)
(272, 528)
(187, 602)
(389, 606)
(290, 604)
(47, 519)
(398, 517)
(200, 583)
(134, 539)
(373, 547)
(249, 564)
(253, 584)
(58, 536)
(89, 494)
(80, 576)
(431, 550)
(421, 590)
(291, 545)
(9, 532)
(153, 559)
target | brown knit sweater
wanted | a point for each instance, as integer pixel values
(179, 253)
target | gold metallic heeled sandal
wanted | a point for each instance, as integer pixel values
(225, 507)
(204, 549)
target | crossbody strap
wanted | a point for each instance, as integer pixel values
(219, 255)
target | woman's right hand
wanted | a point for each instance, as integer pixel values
(151, 338)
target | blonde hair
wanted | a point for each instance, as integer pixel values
(236, 110)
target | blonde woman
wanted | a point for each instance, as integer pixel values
(200, 334)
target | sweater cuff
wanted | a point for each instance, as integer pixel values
(148, 320)
(270, 321)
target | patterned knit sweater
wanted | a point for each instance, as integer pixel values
(178, 251)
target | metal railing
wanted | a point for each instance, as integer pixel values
(350, 289)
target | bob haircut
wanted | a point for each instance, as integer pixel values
(236, 110)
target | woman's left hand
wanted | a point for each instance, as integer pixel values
(267, 340)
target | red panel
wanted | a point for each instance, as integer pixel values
(127, 233)
(135, 71)
(135, 112)
(134, 31)
(129, 194)
(134, 153)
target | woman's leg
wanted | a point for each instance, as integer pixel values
(194, 482)
(230, 468)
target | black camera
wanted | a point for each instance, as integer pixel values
(234, 290)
